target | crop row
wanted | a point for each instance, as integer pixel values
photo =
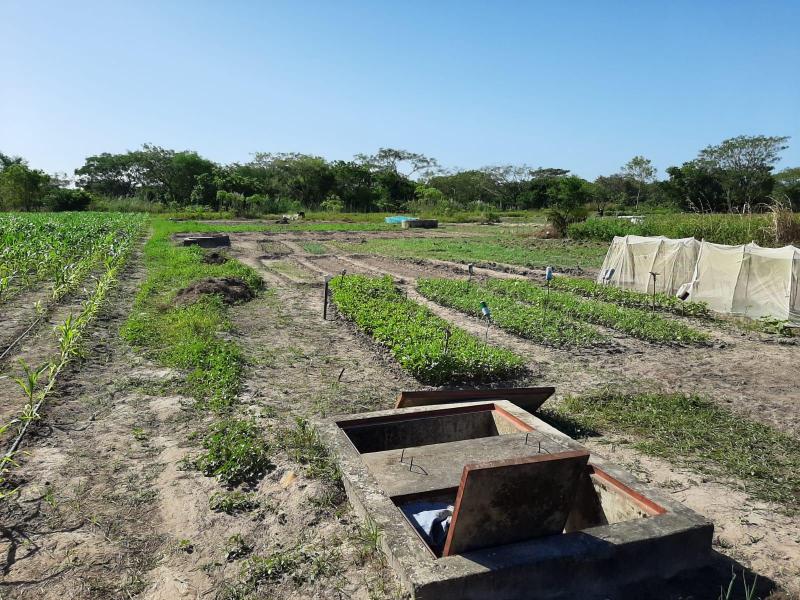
(635, 322)
(630, 298)
(428, 347)
(534, 322)
(557, 318)
(60, 248)
(71, 337)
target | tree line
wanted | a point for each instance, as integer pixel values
(735, 175)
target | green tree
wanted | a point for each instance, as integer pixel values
(642, 172)
(743, 165)
(22, 188)
(401, 162)
(787, 183)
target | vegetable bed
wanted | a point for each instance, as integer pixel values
(532, 322)
(430, 348)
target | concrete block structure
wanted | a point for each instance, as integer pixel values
(607, 530)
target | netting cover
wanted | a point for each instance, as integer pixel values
(746, 280)
(749, 280)
(634, 258)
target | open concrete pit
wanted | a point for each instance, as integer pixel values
(482, 499)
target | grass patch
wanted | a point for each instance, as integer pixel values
(290, 269)
(694, 431)
(303, 445)
(513, 249)
(635, 322)
(235, 452)
(187, 337)
(731, 229)
(430, 348)
(528, 321)
(314, 248)
(232, 502)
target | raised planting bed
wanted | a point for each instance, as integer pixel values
(431, 349)
(635, 322)
(532, 322)
(630, 298)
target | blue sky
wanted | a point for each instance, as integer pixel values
(578, 85)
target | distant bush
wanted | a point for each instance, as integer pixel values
(718, 228)
(256, 205)
(62, 199)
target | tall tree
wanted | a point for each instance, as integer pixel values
(640, 170)
(743, 165)
(23, 188)
(400, 161)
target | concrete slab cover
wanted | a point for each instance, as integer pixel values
(207, 241)
(622, 531)
(503, 502)
(530, 398)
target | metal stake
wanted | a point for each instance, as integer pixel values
(654, 275)
(325, 300)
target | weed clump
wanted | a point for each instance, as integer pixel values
(233, 502)
(303, 445)
(235, 453)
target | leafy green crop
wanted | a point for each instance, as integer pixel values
(635, 322)
(533, 322)
(663, 302)
(428, 347)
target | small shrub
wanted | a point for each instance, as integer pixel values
(233, 502)
(236, 453)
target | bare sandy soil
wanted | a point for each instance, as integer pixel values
(108, 508)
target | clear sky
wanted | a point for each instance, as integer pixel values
(578, 85)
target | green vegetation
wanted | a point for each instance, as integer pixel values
(526, 320)
(314, 248)
(609, 293)
(233, 502)
(635, 322)
(303, 445)
(71, 337)
(732, 176)
(235, 452)
(694, 431)
(522, 250)
(187, 336)
(61, 249)
(731, 229)
(428, 347)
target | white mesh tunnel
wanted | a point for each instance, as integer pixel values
(748, 280)
(634, 258)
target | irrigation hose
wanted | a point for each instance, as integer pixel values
(24, 333)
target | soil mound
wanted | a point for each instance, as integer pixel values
(231, 289)
(214, 258)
